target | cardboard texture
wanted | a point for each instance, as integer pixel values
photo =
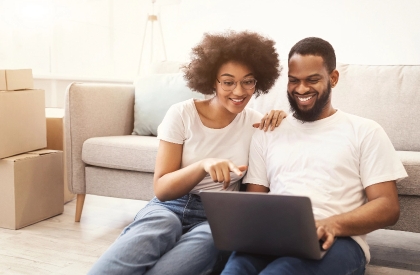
(11, 80)
(55, 141)
(31, 188)
(22, 122)
(3, 83)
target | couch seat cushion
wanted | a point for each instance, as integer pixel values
(410, 185)
(135, 153)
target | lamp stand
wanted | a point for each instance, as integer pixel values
(152, 19)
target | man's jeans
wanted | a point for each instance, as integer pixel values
(170, 237)
(344, 257)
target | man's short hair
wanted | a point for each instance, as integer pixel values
(316, 46)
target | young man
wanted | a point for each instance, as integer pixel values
(344, 163)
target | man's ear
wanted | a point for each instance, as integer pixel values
(334, 75)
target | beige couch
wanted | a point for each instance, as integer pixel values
(103, 158)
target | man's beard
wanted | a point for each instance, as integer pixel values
(315, 112)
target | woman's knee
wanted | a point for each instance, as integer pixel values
(202, 234)
(156, 219)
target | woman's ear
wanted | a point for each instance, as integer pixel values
(334, 76)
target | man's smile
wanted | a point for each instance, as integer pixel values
(305, 99)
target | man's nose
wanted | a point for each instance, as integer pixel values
(302, 88)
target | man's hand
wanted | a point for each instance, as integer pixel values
(219, 170)
(326, 232)
(273, 118)
(382, 209)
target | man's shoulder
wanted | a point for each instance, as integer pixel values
(359, 121)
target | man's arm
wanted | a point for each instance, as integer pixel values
(382, 209)
(256, 188)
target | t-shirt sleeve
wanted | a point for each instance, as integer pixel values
(378, 160)
(172, 127)
(257, 172)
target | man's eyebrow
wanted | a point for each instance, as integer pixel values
(226, 74)
(314, 75)
(309, 76)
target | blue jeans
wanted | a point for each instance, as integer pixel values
(170, 237)
(344, 257)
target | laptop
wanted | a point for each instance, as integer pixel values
(262, 223)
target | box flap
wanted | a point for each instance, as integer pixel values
(19, 157)
(43, 152)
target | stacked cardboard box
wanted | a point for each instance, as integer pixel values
(55, 141)
(31, 180)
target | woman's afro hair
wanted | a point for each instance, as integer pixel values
(248, 48)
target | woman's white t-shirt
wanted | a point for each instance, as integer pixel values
(182, 125)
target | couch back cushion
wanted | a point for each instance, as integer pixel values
(154, 94)
(389, 95)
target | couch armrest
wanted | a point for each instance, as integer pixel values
(93, 110)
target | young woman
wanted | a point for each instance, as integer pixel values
(204, 145)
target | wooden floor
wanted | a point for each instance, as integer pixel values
(61, 246)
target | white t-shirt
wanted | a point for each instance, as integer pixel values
(182, 125)
(331, 161)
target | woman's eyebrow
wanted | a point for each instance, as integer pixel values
(226, 74)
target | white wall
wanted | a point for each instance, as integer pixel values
(101, 39)
(364, 32)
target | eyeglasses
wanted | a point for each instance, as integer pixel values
(229, 85)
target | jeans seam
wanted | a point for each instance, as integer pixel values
(362, 265)
(185, 208)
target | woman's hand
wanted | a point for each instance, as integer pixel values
(219, 170)
(273, 119)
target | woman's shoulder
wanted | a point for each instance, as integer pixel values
(184, 104)
(252, 114)
(183, 107)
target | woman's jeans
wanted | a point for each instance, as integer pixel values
(170, 237)
(344, 257)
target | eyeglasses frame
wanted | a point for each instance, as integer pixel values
(236, 84)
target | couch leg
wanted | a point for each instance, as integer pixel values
(79, 206)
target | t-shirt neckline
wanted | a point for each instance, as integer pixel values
(226, 128)
(316, 124)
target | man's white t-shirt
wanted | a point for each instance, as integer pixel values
(182, 125)
(331, 161)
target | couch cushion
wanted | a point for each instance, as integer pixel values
(389, 95)
(135, 153)
(410, 185)
(154, 94)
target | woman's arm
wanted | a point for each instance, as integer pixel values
(171, 182)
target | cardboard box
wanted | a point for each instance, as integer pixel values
(55, 141)
(11, 80)
(22, 122)
(31, 188)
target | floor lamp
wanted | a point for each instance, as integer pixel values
(153, 22)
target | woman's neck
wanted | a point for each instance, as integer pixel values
(213, 114)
